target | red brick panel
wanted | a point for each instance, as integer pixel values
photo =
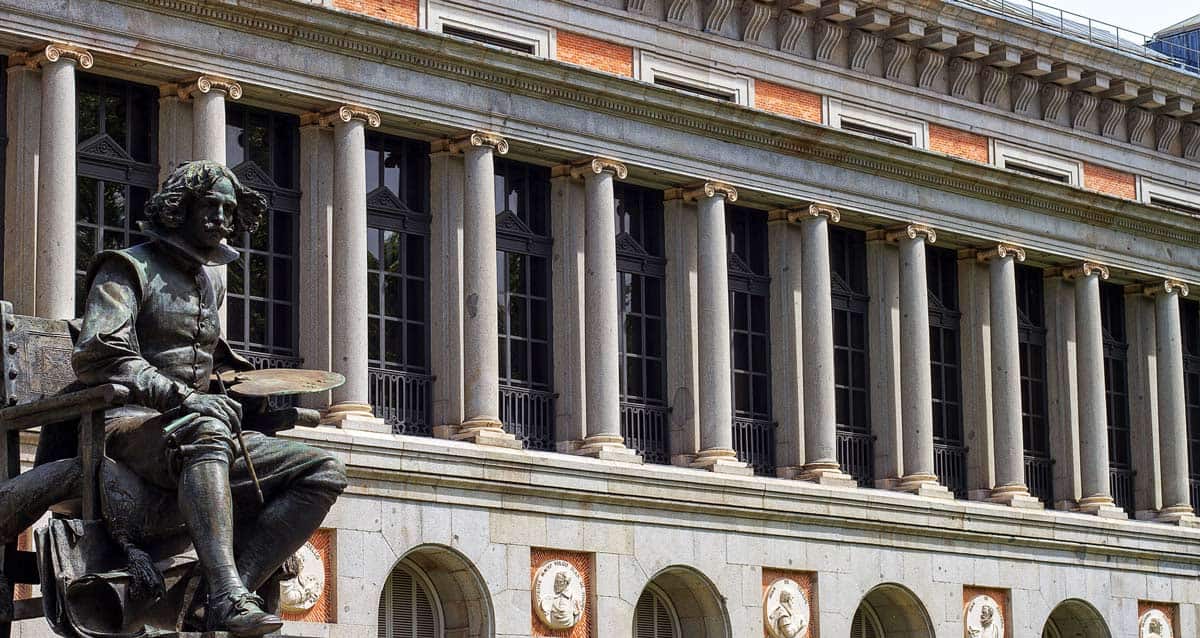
(1001, 596)
(594, 53)
(788, 101)
(580, 561)
(961, 144)
(1109, 181)
(1170, 610)
(808, 584)
(325, 611)
(406, 12)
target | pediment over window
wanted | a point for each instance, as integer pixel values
(253, 176)
(383, 198)
(103, 146)
(626, 244)
(738, 266)
(509, 222)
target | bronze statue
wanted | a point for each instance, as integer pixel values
(181, 464)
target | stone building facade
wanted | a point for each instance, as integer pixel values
(675, 318)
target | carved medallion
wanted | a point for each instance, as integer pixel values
(785, 610)
(984, 618)
(1155, 624)
(301, 593)
(558, 594)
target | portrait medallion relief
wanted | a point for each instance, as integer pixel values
(1155, 624)
(984, 618)
(301, 593)
(785, 610)
(559, 596)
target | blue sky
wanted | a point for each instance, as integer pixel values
(1145, 16)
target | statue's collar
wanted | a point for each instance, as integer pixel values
(218, 256)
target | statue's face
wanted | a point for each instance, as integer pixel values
(985, 616)
(207, 221)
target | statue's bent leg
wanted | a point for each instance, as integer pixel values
(24, 498)
(205, 452)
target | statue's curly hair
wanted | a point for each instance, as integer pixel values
(168, 208)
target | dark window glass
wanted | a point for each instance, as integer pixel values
(1189, 312)
(3, 156)
(949, 450)
(848, 258)
(1031, 330)
(397, 281)
(750, 303)
(523, 287)
(641, 270)
(263, 150)
(116, 124)
(696, 89)
(1116, 389)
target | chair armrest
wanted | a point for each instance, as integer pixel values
(63, 407)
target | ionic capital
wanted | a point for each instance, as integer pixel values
(1166, 287)
(1000, 251)
(208, 84)
(348, 113)
(598, 165)
(1085, 269)
(912, 231)
(56, 52)
(709, 189)
(479, 138)
(813, 210)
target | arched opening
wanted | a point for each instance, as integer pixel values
(434, 592)
(678, 602)
(890, 611)
(1075, 618)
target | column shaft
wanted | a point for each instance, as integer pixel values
(916, 402)
(787, 329)
(1093, 416)
(55, 284)
(445, 280)
(1009, 438)
(24, 121)
(1172, 411)
(820, 410)
(316, 249)
(208, 126)
(716, 391)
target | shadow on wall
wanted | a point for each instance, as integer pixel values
(436, 591)
(891, 611)
(1075, 618)
(681, 602)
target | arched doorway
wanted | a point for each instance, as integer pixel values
(890, 611)
(434, 592)
(1075, 618)
(679, 602)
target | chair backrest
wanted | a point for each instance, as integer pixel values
(36, 356)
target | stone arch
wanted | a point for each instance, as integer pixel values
(459, 598)
(891, 611)
(1075, 618)
(698, 608)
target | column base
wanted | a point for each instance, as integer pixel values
(1102, 506)
(824, 473)
(683, 460)
(924, 485)
(446, 431)
(721, 461)
(1180, 515)
(354, 416)
(608, 447)
(887, 483)
(1015, 496)
(487, 432)
(789, 472)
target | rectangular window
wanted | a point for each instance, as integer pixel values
(641, 270)
(696, 89)
(523, 286)
(398, 295)
(1116, 389)
(878, 124)
(848, 258)
(490, 29)
(116, 126)
(1037, 163)
(1180, 200)
(695, 79)
(750, 303)
(1031, 323)
(1189, 312)
(950, 454)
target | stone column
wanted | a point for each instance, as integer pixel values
(1062, 383)
(716, 386)
(883, 333)
(1008, 427)
(916, 384)
(568, 204)
(1172, 411)
(175, 125)
(1093, 414)
(787, 333)
(207, 94)
(602, 357)
(481, 355)
(316, 248)
(348, 341)
(683, 367)
(55, 283)
(820, 395)
(24, 120)
(445, 282)
(975, 347)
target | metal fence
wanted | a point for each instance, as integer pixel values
(528, 415)
(1121, 483)
(856, 455)
(754, 440)
(950, 465)
(401, 399)
(644, 428)
(1196, 495)
(1039, 476)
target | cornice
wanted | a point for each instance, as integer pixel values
(626, 98)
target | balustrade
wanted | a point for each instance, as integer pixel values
(950, 465)
(528, 415)
(754, 440)
(1039, 476)
(856, 456)
(644, 428)
(401, 399)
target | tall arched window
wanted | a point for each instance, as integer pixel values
(949, 450)
(407, 608)
(855, 447)
(117, 132)
(1116, 391)
(1189, 312)
(865, 623)
(261, 149)
(641, 268)
(750, 302)
(1031, 323)
(397, 267)
(654, 617)
(523, 280)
